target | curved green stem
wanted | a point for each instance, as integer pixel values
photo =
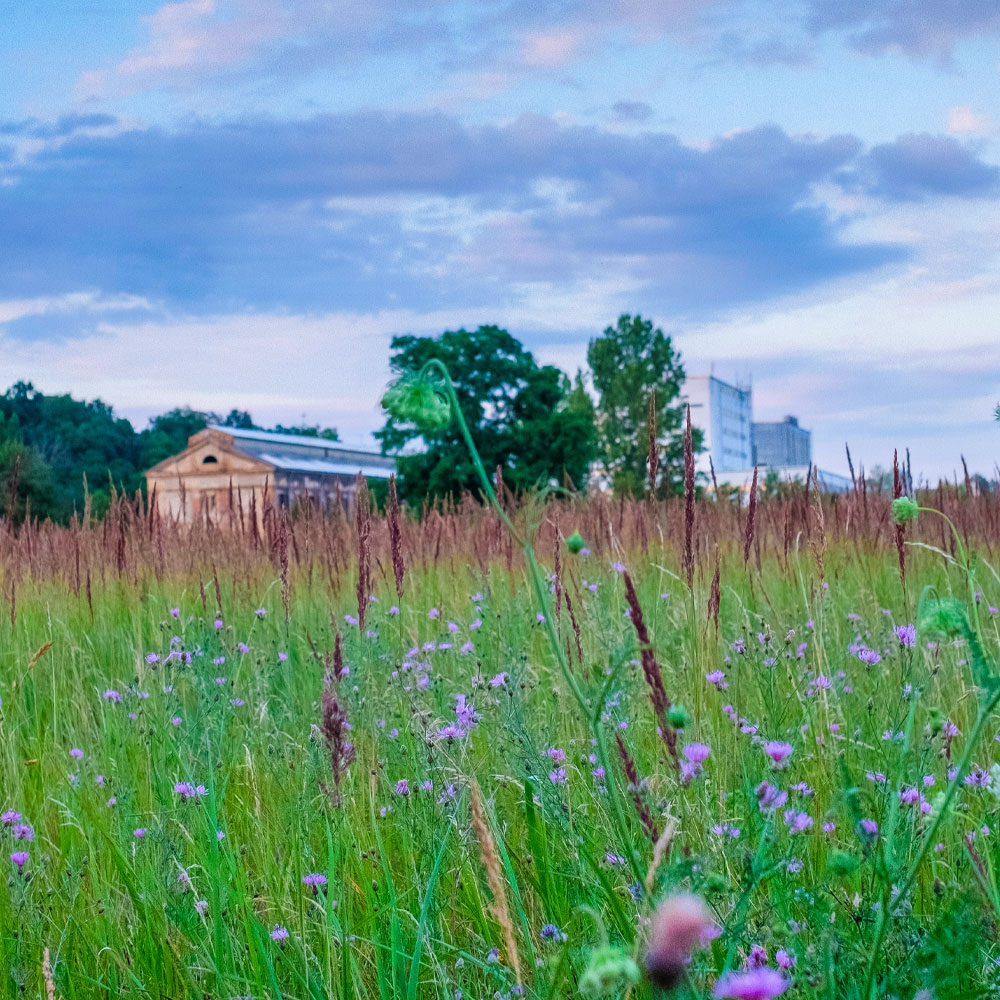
(591, 713)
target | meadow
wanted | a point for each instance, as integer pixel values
(352, 755)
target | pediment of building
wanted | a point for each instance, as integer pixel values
(210, 452)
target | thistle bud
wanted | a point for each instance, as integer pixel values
(678, 716)
(575, 543)
(681, 924)
(418, 401)
(904, 509)
(609, 971)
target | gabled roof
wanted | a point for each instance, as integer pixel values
(299, 453)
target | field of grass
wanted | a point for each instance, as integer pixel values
(215, 783)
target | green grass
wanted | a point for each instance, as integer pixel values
(408, 910)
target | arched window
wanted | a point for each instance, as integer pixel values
(209, 460)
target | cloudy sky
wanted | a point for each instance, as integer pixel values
(238, 202)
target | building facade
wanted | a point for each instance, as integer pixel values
(226, 470)
(724, 414)
(782, 444)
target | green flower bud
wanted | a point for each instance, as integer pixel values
(942, 618)
(575, 543)
(418, 401)
(904, 509)
(608, 971)
(678, 716)
(716, 883)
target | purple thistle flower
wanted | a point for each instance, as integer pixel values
(77, 753)
(550, 932)
(402, 787)
(314, 879)
(769, 797)
(755, 984)
(201, 906)
(112, 695)
(23, 831)
(20, 858)
(139, 833)
(279, 933)
(558, 776)
(796, 821)
(907, 635)
(778, 751)
(696, 753)
(11, 816)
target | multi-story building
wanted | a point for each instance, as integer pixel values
(781, 443)
(724, 413)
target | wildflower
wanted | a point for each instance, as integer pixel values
(556, 754)
(139, 833)
(757, 958)
(202, 907)
(869, 656)
(697, 753)
(797, 822)
(756, 984)
(11, 816)
(681, 924)
(152, 658)
(778, 751)
(314, 879)
(218, 623)
(176, 720)
(20, 858)
(402, 787)
(498, 680)
(77, 753)
(279, 933)
(718, 678)
(868, 826)
(552, 933)
(175, 612)
(243, 647)
(112, 695)
(558, 776)
(769, 798)
(23, 831)
(186, 790)
(282, 657)
(614, 859)
(785, 959)
(493, 956)
(907, 635)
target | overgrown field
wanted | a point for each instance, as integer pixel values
(215, 782)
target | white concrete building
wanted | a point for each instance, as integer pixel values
(724, 413)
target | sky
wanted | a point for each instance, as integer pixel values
(238, 203)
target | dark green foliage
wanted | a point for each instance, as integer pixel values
(66, 440)
(518, 414)
(629, 362)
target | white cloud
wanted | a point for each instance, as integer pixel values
(964, 121)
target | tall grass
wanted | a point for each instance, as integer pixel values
(473, 827)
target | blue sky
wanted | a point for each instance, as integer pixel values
(239, 202)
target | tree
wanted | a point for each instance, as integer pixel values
(628, 363)
(516, 410)
(308, 430)
(74, 439)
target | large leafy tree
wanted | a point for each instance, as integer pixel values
(629, 363)
(516, 410)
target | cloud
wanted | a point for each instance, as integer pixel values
(916, 27)
(632, 111)
(367, 209)
(918, 166)
(964, 121)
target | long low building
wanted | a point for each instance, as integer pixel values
(224, 466)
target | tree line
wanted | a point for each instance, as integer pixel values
(58, 453)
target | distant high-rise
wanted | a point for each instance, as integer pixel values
(724, 413)
(781, 443)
